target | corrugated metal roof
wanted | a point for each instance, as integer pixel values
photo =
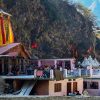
(13, 54)
(5, 48)
(2, 12)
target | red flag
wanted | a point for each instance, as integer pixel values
(34, 45)
(90, 49)
(2, 30)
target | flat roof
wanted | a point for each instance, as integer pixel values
(60, 59)
(92, 78)
(24, 77)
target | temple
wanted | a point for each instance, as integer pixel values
(23, 75)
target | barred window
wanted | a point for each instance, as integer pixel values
(90, 85)
(57, 87)
(94, 85)
(85, 85)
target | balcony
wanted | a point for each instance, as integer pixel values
(83, 73)
(48, 73)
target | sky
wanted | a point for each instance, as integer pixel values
(94, 5)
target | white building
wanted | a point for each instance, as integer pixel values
(92, 83)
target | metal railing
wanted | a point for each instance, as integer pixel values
(50, 73)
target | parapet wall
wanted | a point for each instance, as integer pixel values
(48, 98)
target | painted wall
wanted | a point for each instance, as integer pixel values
(41, 87)
(80, 84)
(64, 86)
(47, 62)
(93, 92)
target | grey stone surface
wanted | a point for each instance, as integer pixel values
(48, 98)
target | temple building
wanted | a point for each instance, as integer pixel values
(10, 52)
(52, 77)
(26, 76)
(92, 83)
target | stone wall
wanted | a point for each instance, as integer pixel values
(3, 85)
(48, 98)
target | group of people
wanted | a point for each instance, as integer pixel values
(77, 93)
(43, 71)
(74, 93)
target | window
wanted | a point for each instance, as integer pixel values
(85, 85)
(74, 79)
(57, 87)
(67, 65)
(94, 85)
(69, 80)
(90, 85)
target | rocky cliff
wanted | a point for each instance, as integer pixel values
(55, 26)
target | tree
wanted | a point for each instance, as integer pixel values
(53, 25)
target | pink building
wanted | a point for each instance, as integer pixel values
(58, 83)
(70, 63)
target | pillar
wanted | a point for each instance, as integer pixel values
(79, 72)
(9, 66)
(24, 65)
(35, 73)
(72, 64)
(39, 63)
(91, 72)
(19, 65)
(55, 63)
(65, 73)
(63, 64)
(2, 65)
(51, 74)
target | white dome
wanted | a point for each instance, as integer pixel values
(96, 63)
(85, 62)
(90, 62)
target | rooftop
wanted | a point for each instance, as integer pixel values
(5, 48)
(2, 12)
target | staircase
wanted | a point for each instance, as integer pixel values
(27, 87)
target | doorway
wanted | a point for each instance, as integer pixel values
(74, 86)
(67, 65)
(68, 88)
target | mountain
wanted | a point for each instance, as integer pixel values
(54, 26)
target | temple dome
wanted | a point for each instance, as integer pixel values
(90, 62)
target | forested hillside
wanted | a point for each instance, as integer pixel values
(57, 28)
